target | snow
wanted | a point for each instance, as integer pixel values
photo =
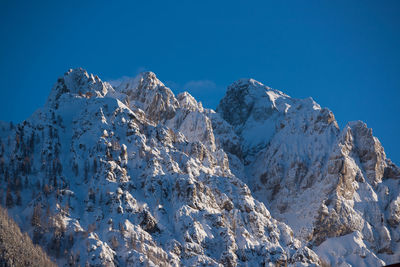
(144, 177)
(347, 251)
(323, 182)
(143, 180)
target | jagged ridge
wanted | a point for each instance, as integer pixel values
(132, 175)
(335, 188)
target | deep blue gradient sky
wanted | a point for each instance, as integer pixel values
(345, 54)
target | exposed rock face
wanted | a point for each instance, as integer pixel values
(370, 152)
(133, 176)
(254, 111)
(323, 182)
(78, 81)
(151, 95)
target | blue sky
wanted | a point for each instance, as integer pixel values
(345, 54)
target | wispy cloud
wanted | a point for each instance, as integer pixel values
(206, 91)
(199, 85)
(193, 87)
(118, 81)
(174, 86)
(141, 69)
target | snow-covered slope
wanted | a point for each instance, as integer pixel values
(134, 176)
(329, 185)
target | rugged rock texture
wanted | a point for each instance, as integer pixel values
(329, 185)
(134, 176)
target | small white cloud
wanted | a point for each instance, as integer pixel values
(173, 85)
(141, 69)
(206, 91)
(200, 84)
(116, 82)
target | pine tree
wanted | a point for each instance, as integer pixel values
(51, 132)
(46, 190)
(1, 196)
(59, 120)
(36, 216)
(101, 198)
(1, 166)
(86, 171)
(92, 195)
(94, 165)
(32, 141)
(19, 200)
(9, 199)
(16, 248)
(17, 140)
(38, 186)
(38, 139)
(59, 168)
(70, 242)
(6, 176)
(17, 185)
(75, 169)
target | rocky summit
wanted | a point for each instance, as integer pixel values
(131, 175)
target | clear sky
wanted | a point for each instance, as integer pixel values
(345, 54)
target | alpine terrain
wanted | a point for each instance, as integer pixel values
(131, 175)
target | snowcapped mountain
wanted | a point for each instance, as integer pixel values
(132, 175)
(335, 188)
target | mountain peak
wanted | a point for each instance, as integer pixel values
(144, 80)
(147, 92)
(246, 81)
(253, 87)
(246, 96)
(78, 81)
(148, 80)
(148, 75)
(246, 86)
(139, 175)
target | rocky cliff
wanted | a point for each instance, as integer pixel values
(132, 175)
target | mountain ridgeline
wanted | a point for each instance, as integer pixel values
(132, 175)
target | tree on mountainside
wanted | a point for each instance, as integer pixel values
(16, 248)
(9, 199)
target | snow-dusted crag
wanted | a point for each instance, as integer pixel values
(335, 188)
(132, 175)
